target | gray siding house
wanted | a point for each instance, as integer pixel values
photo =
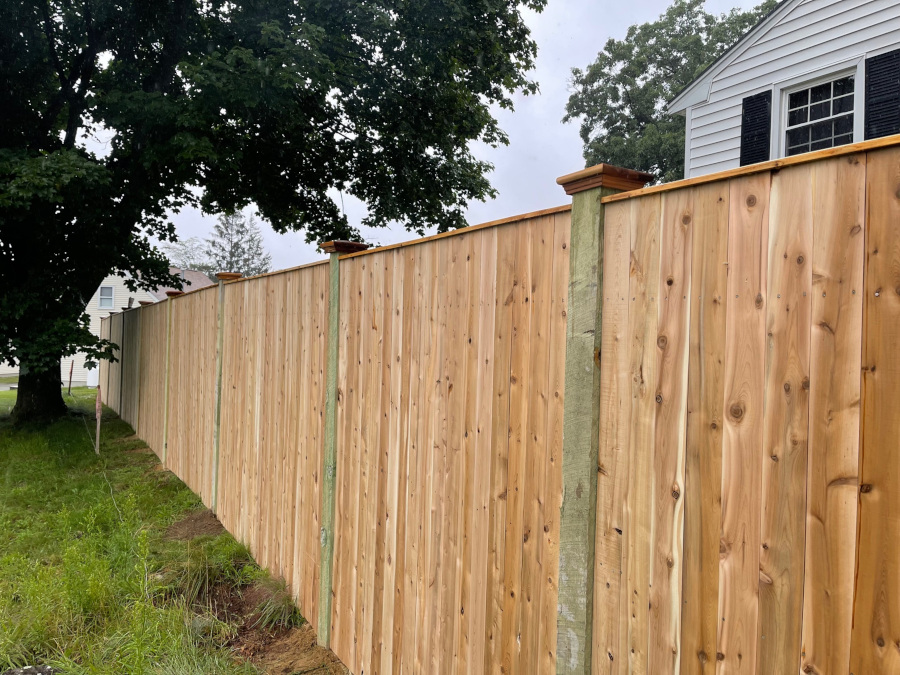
(813, 74)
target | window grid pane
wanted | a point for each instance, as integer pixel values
(820, 116)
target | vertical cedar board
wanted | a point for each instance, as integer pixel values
(876, 614)
(742, 443)
(786, 424)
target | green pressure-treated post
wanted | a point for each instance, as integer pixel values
(329, 451)
(581, 415)
(220, 343)
(165, 448)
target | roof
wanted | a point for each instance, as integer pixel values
(698, 90)
(192, 281)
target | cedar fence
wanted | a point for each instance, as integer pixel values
(655, 432)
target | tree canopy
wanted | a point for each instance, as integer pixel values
(221, 105)
(620, 99)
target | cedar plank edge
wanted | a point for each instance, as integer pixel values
(772, 165)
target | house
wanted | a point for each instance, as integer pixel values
(813, 74)
(112, 296)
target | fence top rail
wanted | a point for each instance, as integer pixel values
(462, 230)
(772, 165)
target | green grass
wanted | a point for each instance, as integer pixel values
(9, 379)
(87, 581)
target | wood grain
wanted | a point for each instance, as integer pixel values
(742, 442)
(615, 408)
(835, 360)
(786, 421)
(643, 320)
(672, 340)
(703, 461)
(876, 612)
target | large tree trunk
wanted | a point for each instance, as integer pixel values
(39, 396)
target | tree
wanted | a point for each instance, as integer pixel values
(189, 254)
(237, 246)
(221, 105)
(620, 99)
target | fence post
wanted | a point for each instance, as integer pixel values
(165, 449)
(581, 416)
(222, 277)
(329, 450)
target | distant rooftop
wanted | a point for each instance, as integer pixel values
(192, 281)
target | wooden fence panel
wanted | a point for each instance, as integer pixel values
(787, 559)
(114, 370)
(192, 388)
(104, 363)
(446, 532)
(273, 393)
(152, 374)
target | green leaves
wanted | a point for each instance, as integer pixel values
(220, 106)
(620, 99)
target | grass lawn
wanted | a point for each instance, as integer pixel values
(89, 581)
(9, 379)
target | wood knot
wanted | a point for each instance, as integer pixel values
(686, 219)
(759, 300)
(676, 492)
(865, 487)
(805, 384)
(659, 398)
(799, 259)
(751, 201)
(720, 656)
(787, 387)
(669, 562)
(662, 341)
(713, 426)
(702, 656)
(737, 412)
(670, 281)
(880, 641)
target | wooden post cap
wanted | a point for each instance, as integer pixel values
(338, 246)
(144, 303)
(604, 175)
(174, 294)
(228, 276)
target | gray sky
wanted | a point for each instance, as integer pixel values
(568, 33)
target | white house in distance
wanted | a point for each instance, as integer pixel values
(111, 296)
(813, 74)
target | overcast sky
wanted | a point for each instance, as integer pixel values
(568, 33)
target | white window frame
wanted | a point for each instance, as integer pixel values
(112, 298)
(782, 90)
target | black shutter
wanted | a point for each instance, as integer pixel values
(883, 95)
(756, 125)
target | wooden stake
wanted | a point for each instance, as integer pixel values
(99, 411)
(329, 453)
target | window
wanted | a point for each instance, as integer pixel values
(820, 116)
(106, 297)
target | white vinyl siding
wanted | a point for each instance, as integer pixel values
(804, 41)
(121, 294)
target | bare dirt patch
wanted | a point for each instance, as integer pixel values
(276, 650)
(195, 524)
